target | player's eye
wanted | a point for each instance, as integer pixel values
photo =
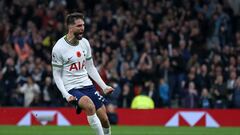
(80, 25)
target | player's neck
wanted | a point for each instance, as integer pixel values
(70, 39)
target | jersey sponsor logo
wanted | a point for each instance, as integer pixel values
(77, 66)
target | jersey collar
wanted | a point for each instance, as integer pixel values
(75, 44)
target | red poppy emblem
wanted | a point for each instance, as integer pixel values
(78, 54)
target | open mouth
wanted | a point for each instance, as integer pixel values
(79, 35)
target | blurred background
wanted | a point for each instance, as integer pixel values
(178, 53)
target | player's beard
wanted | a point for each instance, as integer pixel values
(78, 35)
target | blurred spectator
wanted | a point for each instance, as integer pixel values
(178, 65)
(114, 97)
(21, 44)
(126, 96)
(1, 90)
(47, 92)
(219, 92)
(47, 72)
(23, 75)
(144, 67)
(31, 92)
(205, 100)
(150, 90)
(190, 99)
(164, 93)
(9, 74)
(203, 79)
(236, 94)
(230, 85)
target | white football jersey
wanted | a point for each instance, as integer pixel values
(72, 60)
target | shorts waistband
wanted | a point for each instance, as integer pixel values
(83, 88)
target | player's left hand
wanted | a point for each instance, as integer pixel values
(108, 90)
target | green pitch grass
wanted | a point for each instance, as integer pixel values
(116, 130)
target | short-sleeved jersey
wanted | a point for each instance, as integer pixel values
(72, 60)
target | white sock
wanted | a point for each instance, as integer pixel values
(95, 124)
(107, 131)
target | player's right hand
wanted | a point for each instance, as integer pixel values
(71, 99)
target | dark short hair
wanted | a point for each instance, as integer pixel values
(73, 16)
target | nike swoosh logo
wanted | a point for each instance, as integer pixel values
(70, 58)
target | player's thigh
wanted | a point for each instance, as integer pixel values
(87, 105)
(94, 96)
(84, 101)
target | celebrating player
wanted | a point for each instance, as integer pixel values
(72, 64)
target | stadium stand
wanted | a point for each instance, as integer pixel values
(181, 53)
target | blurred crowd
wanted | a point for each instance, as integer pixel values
(180, 53)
